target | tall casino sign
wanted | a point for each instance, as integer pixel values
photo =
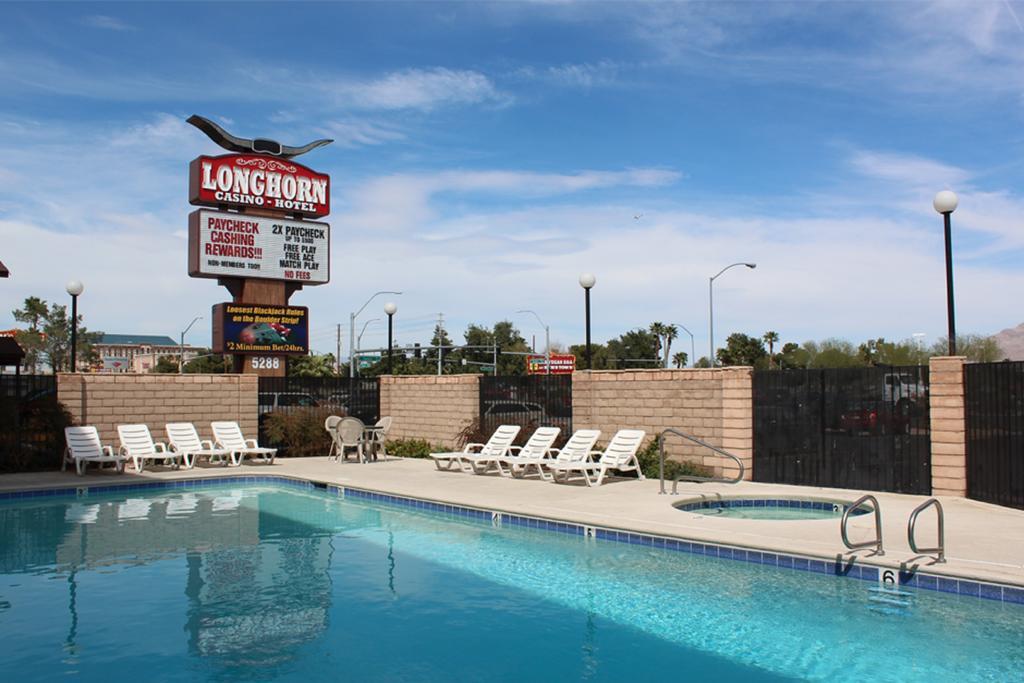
(255, 238)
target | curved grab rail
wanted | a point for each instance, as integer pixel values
(941, 547)
(675, 481)
(877, 543)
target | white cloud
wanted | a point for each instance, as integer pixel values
(419, 89)
(107, 22)
(350, 133)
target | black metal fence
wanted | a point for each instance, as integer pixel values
(31, 423)
(528, 401)
(357, 397)
(994, 406)
(863, 428)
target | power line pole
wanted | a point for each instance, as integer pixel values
(337, 355)
(440, 340)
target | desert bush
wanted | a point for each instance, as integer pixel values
(411, 448)
(32, 434)
(648, 459)
(298, 433)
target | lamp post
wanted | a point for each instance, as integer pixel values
(945, 202)
(693, 347)
(74, 288)
(352, 332)
(390, 308)
(181, 346)
(547, 339)
(359, 339)
(587, 282)
(711, 306)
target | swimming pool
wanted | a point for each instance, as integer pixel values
(267, 582)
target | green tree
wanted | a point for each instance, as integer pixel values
(771, 338)
(598, 356)
(670, 334)
(978, 348)
(313, 365)
(680, 359)
(635, 349)
(165, 364)
(703, 362)
(208, 364)
(56, 330)
(33, 312)
(742, 349)
(658, 330)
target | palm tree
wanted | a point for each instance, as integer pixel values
(771, 337)
(657, 329)
(680, 359)
(670, 332)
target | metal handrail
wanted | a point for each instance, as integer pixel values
(690, 477)
(941, 547)
(877, 543)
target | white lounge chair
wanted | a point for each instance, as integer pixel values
(496, 446)
(620, 455)
(137, 443)
(380, 434)
(84, 447)
(577, 449)
(184, 440)
(536, 449)
(228, 435)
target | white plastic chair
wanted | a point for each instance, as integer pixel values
(137, 443)
(228, 435)
(533, 453)
(496, 447)
(620, 455)
(184, 440)
(350, 438)
(380, 434)
(84, 447)
(331, 425)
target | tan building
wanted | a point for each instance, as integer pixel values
(138, 352)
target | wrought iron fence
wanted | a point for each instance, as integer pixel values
(31, 423)
(994, 407)
(863, 428)
(528, 401)
(357, 397)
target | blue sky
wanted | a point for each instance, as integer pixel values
(486, 154)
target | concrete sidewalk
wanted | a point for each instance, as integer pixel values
(983, 542)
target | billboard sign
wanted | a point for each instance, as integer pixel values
(248, 329)
(561, 364)
(224, 244)
(256, 181)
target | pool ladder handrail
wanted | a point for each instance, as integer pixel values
(689, 477)
(911, 523)
(877, 542)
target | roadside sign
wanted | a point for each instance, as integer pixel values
(561, 364)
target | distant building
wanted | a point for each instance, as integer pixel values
(138, 352)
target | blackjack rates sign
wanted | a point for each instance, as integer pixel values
(257, 329)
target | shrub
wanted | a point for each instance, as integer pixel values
(648, 458)
(411, 448)
(32, 434)
(298, 433)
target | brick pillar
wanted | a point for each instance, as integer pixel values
(948, 424)
(738, 418)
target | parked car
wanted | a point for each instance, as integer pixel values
(873, 421)
(272, 400)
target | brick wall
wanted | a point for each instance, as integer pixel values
(106, 401)
(430, 407)
(949, 427)
(714, 405)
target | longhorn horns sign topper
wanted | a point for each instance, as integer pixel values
(257, 145)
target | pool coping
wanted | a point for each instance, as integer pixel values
(840, 566)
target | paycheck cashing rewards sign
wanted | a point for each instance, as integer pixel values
(257, 241)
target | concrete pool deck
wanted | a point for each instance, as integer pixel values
(983, 542)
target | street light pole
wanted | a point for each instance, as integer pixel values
(945, 202)
(181, 346)
(359, 339)
(711, 307)
(74, 288)
(547, 340)
(587, 282)
(390, 308)
(693, 348)
(352, 332)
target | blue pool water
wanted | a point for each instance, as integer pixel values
(269, 583)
